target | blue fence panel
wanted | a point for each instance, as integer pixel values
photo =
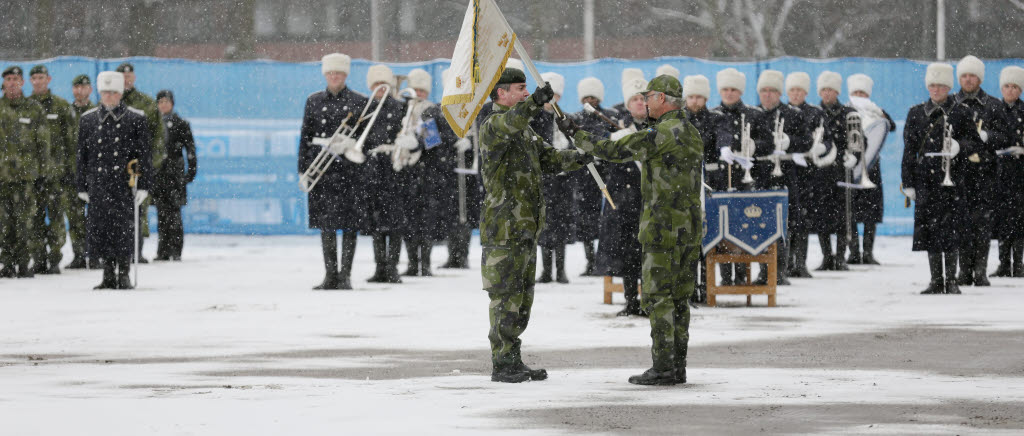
(246, 118)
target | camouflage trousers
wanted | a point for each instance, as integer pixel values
(17, 209)
(508, 273)
(668, 281)
(76, 222)
(49, 232)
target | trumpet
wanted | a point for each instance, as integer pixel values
(344, 133)
(780, 124)
(856, 143)
(947, 150)
(401, 156)
(746, 147)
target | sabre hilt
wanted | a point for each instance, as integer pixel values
(133, 172)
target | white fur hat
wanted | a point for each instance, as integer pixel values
(590, 87)
(633, 87)
(335, 62)
(800, 80)
(556, 80)
(629, 74)
(859, 82)
(379, 73)
(971, 65)
(731, 78)
(1012, 74)
(420, 79)
(939, 73)
(771, 79)
(667, 69)
(696, 85)
(515, 63)
(830, 79)
(110, 81)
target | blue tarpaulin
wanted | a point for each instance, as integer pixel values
(246, 117)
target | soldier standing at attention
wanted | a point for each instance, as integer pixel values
(110, 139)
(670, 152)
(169, 194)
(143, 102)
(24, 154)
(514, 156)
(55, 181)
(81, 88)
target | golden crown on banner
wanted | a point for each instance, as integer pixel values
(752, 211)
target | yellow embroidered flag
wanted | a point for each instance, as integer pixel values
(484, 45)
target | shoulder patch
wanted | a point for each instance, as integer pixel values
(90, 111)
(716, 111)
(813, 106)
(136, 110)
(758, 108)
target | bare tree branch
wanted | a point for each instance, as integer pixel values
(780, 24)
(704, 20)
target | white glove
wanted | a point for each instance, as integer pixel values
(463, 144)
(140, 196)
(910, 193)
(84, 196)
(954, 147)
(559, 141)
(818, 149)
(339, 147)
(619, 134)
(799, 159)
(407, 142)
(849, 160)
(782, 142)
(1016, 150)
(984, 135)
(725, 154)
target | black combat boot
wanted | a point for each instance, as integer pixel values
(425, 248)
(840, 259)
(394, 253)
(1018, 258)
(109, 277)
(828, 261)
(123, 282)
(1004, 269)
(142, 259)
(412, 250)
(681, 376)
(935, 286)
(981, 263)
(588, 252)
(8, 272)
(869, 244)
(95, 263)
(329, 246)
(799, 267)
(546, 258)
(854, 246)
(24, 272)
(762, 275)
(966, 277)
(951, 282)
(380, 254)
(782, 268)
(77, 263)
(654, 377)
(742, 270)
(630, 289)
(348, 252)
(509, 375)
(53, 269)
(560, 276)
(39, 266)
(535, 374)
(725, 270)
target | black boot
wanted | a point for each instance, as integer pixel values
(799, 267)
(1018, 258)
(348, 252)
(77, 263)
(109, 278)
(535, 374)
(329, 247)
(966, 277)
(39, 266)
(560, 276)
(1004, 269)
(509, 375)
(981, 262)
(762, 275)
(123, 282)
(425, 248)
(840, 259)
(142, 259)
(380, 254)
(95, 263)
(632, 308)
(8, 272)
(546, 258)
(394, 253)
(936, 285)
(24, 272)
(412, 251)
(869, 244)
(828, 261)
(725, 270)
(631, 291)
(741, 274)
(654, 377)
(782, 267)
(588, 252)
(951, 282)
(854, 246)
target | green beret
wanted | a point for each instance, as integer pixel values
(81, 79)
(13, 69)
(665, 84)
(125, 67)
(512, 75)
(38, 69)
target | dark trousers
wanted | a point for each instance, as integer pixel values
(171, 230)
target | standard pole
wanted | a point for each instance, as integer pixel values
(940, 29)
(375, 30)
(588, 30)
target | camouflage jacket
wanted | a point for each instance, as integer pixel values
(513, 158)
(25, 141)
(670, 152)
(60, 121)
(138, 100)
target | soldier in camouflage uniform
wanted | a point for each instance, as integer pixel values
(24, 154)
(143, 102)
(670, 152)
(81, 88)
(514, 156)
(57, 181)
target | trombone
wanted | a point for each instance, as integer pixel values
(746, 148)
(857, 143)
(345, 131)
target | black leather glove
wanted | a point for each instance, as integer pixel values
(567, 126)
(543, 94)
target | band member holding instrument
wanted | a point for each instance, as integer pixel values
(831, 208)
(560, 221)
(1009, 220)
(938, 135)
(338, 200)
(588, 196)
(867, 203)
(981, 181)
(798, 86)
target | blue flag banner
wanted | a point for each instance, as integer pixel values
(753, 220)
(431, 136)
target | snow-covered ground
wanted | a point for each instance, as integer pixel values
(233, 341)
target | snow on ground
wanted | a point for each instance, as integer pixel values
(233, 341)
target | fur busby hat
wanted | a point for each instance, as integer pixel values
(590, 87)
(971, 65)
(335, 62)
(800, 80)
(696, 85)
(420, 79)
(859, 82)
(731, 78)
(379, 73)
(110, 81)
(939, 73)
(831, 80)
(1012, 74)
(557, 82)
(770, 79)
(515, 63)
(629, 74)
(667, 69)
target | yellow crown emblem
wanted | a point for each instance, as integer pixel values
(752, 211)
